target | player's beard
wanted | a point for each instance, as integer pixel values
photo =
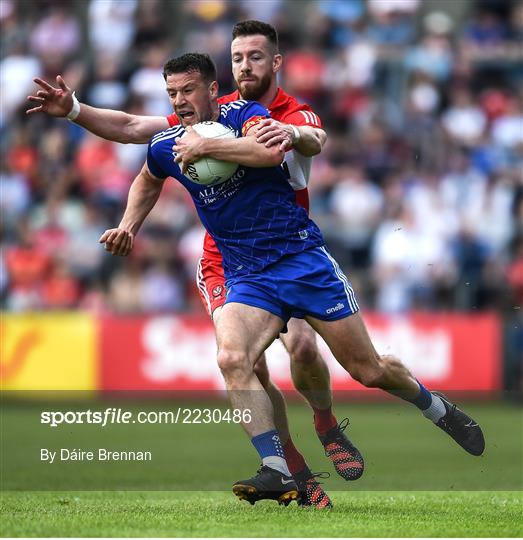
(255, 92)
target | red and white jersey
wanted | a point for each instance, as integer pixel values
(288, 110)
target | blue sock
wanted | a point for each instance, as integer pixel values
(424, 399)
(270, 449)
(268, 444)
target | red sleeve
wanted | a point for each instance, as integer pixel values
(303, 116)
(173, 120)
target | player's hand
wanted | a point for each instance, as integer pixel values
(271, 132)
(117, 241)
(188, 148)
(52, 100)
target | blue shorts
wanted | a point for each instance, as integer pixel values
(300, 284)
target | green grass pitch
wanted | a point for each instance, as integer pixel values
(417, 482)
(204, 514)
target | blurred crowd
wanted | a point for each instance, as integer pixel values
(419, 191)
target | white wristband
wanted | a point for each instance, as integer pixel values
(75, 110)
(296, 135)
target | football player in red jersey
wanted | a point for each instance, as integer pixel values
(297, 129)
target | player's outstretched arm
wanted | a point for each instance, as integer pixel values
(245, 150)
(106, 123)
(143, 194)
(307, 140)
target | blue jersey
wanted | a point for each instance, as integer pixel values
(253, 217)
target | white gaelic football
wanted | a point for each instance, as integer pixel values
(207, 171)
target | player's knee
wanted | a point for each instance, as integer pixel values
(303, 353)
(233, 364)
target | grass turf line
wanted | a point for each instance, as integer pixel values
(215, 514)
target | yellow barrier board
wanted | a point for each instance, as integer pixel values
(48, 351)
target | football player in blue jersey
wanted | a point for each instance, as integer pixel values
(255, 65)
(276, 265)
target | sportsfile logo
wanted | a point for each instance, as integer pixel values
(179, 415)
(337, 307)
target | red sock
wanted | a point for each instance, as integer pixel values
(324, 420)
(294, 459)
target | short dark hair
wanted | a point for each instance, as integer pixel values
(189, 62)
(254, 28)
